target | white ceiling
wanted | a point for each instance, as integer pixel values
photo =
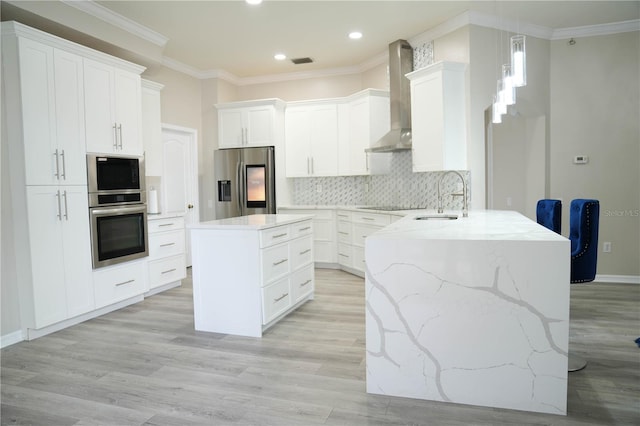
(241, 39)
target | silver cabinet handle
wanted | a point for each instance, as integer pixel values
(277, 299)
(279, 236)
(167, 244)
(170, 270)
(343, 233)
(66, 207)
(305, 283)
(124, 282)
(305, 251)
(308, 167)
(64, 166)
(165, 224)
(57, 173)
(280, 262)
(59, 207)
(367, 218)
(343, 255)
(304, 229)
(120, 132)
(312, 172)
(115, 136)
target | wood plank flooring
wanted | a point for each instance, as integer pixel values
(145, 365)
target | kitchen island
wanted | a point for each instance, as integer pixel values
(472, 310)
(250, 271)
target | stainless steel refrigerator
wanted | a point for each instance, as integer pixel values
(245, 181)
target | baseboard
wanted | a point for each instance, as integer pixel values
(618, 279)
(11, 339)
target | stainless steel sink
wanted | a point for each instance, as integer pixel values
(436, 217)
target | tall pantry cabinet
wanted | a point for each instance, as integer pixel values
(44, 134)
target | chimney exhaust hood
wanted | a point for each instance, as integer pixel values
(400, 63)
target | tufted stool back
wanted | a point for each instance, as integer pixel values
(549, 214)
(584, 219)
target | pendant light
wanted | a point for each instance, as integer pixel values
(518, 61)
(508, 94)
(496, 117)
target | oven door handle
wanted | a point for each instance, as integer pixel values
(119, 210)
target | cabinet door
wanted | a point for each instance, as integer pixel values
(100, 120)
(259, 126)
(45, 215)
(69, 101)
(427, 123)
(151, 131)
(358, 136)
(324, 140)
(76, 244)
(128, 109)
(38, 111)
(297, 124)
(230, 128)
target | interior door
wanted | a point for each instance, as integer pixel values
(180, 176)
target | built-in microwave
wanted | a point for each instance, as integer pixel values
(115, 180)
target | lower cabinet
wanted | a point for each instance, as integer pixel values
(116, 283)
(324, 232)
(167, 258)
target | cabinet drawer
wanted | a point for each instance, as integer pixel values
(166, 244)
(167, 270)
(344, 232)
(301, 228)
(117, 283)
(161, 225)
(345, 255)
(272, 236)
(362, 231)
(344, 215)
(377, 219)
(302, 283)
(301, 252)
(275, 263)
(358, 258)
(276, 299)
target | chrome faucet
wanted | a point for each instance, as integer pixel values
(465, 207)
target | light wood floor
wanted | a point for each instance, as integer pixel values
(145, 365)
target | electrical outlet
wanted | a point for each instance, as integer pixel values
(318, 187)
(606, 247)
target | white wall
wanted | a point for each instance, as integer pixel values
(595, 110)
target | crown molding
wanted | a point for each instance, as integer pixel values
(94, 9)
(597, 30)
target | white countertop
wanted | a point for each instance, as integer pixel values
(252, 222)
(480, 225)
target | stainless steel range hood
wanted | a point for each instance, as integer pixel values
(400, 63)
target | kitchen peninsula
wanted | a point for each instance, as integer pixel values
(250, 271)
(473, 310)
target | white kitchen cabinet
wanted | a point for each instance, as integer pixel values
(152, 127)
(51, 86)
(368, 120)
(311, 138)
(249, 272)
(60, 255)
(324, 232)
(167, 258)
(250, 123)
(116, 283)
(112, 109)
(438, 117)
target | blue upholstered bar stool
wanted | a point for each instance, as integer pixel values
(549, 214)
(584, 219)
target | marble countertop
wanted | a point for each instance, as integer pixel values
(480, 225)
(371, 209)
(251, 222)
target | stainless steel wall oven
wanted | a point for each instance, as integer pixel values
(117, 209)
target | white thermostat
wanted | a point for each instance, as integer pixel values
(580, 159)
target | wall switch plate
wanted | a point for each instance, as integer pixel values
(580, 159)
(606, 247)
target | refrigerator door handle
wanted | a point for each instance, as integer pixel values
(239, 185)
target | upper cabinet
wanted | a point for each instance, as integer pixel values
(438, 117)
(112, 109)
(367, 121)
(311, 138)
(250, 123)
(152, 127)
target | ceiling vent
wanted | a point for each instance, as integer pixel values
(299, 61)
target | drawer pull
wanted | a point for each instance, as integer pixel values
(343, 255)
(279, 262)
(165, 224)
(124, 282)
(305, 251)
(167, 244)
(305, 228)
(367, 218)
(343, 215)
(305, 283)
(277, 299)
(343, 233)
(280, 235)
(170, 270)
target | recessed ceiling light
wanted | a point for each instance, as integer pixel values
(253, 1)
(280, 56)
(355, 35)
